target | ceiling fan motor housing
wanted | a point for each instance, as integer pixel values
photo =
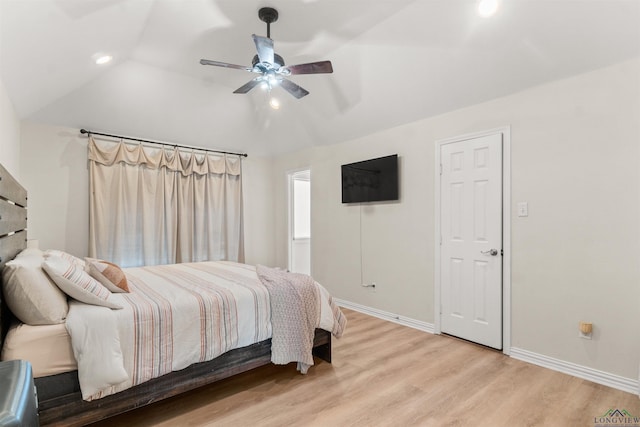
(278, 61)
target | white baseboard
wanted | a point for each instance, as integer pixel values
(600, 377)
(605, 378)
(385, 315)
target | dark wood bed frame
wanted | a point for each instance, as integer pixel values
(59, 398)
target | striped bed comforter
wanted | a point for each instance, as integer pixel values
(174, 316)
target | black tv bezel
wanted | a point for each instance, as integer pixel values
(396, 191)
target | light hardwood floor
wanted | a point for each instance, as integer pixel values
(384, 374)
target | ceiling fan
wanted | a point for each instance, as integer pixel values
(270, 66)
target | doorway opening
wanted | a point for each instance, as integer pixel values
(300, 221)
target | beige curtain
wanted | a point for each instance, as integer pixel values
(151, 206)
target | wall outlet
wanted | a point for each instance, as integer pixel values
(585, 330)
(584, 336)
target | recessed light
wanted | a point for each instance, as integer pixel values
(487, 8)
(103, 59)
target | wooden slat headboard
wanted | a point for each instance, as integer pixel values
(13, 230)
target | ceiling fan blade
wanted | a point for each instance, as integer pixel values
(293, 88)
(311, 68)
(224, 64)
(264, 46)
(248, 86)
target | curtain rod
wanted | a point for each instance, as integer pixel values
(90, 132)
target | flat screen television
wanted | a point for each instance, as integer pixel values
(372, 180)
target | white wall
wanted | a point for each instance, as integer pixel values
(9, 135)
(55, 172)
(575, 160)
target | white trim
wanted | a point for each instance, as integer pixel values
(506, 240)
(385, 315)
(506, 230)
(437, 241)
(600, 377)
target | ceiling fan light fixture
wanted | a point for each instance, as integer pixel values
(487, 8)
(271, 66)
(272, 79)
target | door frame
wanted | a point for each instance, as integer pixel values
(506, 230)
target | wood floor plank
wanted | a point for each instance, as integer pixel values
(385, 374)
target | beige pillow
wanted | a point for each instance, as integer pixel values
(76, 283)
(30, 294)
(109, 274)
(30, 252)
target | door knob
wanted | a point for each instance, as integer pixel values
(492, 252)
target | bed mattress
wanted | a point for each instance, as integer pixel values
(47, 347)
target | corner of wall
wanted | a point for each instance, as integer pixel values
(9, 134)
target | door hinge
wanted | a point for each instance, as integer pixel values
(440, 168)
(501, 252)
(440, 240)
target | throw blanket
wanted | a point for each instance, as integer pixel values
(297, 307)
(175, 315)
(295, 314)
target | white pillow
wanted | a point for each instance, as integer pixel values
(76, 283)
(30, 294)
(64, 255)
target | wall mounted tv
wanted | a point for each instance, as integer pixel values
(372, 180)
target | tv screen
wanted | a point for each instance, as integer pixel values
(370, 180)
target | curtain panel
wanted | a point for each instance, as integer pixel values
(151, 206)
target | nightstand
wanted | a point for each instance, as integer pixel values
(18, 400)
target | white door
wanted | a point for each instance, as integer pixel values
(471, 239)
(300, 222)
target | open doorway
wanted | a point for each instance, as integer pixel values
(300, 221)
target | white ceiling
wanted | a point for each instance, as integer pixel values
(395, 61)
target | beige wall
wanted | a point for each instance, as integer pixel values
(55, 172)
(9, 135)
(9, 129)
(259, 210)
(576, 161)
(53, 162)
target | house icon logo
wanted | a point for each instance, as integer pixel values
(617, 417)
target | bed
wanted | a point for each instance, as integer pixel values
(58, 384)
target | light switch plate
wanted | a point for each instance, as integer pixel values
(523, 209)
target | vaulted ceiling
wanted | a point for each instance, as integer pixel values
(395, 61)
